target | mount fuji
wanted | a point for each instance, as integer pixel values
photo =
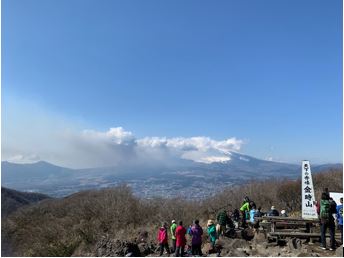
(183, 178)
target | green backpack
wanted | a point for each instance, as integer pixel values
(325, 209)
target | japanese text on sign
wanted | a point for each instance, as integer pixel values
(308, 201)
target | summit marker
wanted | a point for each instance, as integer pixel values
(308, 199)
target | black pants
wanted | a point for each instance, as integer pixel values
(331, 226)
(162, 246)
(180, 251)
(243, 219)
(196, 250)
(340, 227)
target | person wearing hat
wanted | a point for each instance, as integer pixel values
(273, 212)
(212, 233)
(173, 235)
(163, 239)
(283, 213)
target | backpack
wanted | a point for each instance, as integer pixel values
(333, 206)
(196, 231)
(162, 235)
(325, 210)
(236, 215)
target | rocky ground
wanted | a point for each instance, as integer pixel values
(243, 248)
(258, 245)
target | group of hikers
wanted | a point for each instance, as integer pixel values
(225, 221)
(178, 235)
(179, 242)
(243, 217)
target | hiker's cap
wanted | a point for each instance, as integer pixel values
(272, 207)
(210, 222)
(173, 221)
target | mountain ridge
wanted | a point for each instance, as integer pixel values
(166, 180)
(11, 200)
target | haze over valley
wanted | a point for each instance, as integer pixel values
(187, 179)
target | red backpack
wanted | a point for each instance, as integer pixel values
(162, 235)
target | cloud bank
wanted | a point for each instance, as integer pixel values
(91, 148)
(31, 132)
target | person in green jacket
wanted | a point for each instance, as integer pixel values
(173, 235)
(245, 207)
(222, 219)
(212, 233)
(213, 237)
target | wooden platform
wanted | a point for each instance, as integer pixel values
(287, 227)
(295, 234)
(281, 227)
(286, 219)
(299, 234)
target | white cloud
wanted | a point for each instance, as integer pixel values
(202, 144)
(90, 148)
(115, 135)
(212, 159)
(23, 158)
(32, 132)
(199, 149)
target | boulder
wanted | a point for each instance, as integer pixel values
(294, 244)
(239, 253)
(206, 247)
(239, 243)
(145, 249)
(142, 235)
(339, 251)
(112, 247)
(304, 255)
(247, 234)
(259, 237)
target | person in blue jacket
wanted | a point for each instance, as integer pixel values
(340, 218)
(252, 214)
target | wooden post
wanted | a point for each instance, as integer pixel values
(308, 230)
(273, 226)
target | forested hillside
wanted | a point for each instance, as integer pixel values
(11, 200)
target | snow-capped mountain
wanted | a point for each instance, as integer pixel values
(196, 179)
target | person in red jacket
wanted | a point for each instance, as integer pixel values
(163, 239)
(180, 239)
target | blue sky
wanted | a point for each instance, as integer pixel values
(266, 72)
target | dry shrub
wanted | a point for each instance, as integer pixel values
(289, 195)
(57, 227)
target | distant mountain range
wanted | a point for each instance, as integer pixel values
(187, 178)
